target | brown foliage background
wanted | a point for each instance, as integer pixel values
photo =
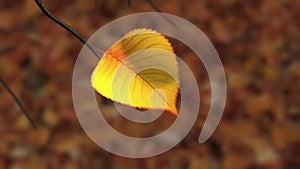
(258, 42)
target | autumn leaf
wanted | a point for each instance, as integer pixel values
(139, 70)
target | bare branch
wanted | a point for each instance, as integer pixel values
(65, 26)
(154, 6)
(18, 103)
(129, 3)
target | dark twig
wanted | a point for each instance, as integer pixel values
(65, 26)
(18, 102)
(155, 7)
(129, 3)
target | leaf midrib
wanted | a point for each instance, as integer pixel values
(142, 79)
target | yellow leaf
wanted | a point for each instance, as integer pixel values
(139, 70)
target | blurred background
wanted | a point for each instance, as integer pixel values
(258, 42)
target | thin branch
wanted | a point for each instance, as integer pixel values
(65, 26)
(18, 102)
(77, 35)
(129, 3)
(155, 7)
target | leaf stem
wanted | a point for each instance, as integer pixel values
(18, 102)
